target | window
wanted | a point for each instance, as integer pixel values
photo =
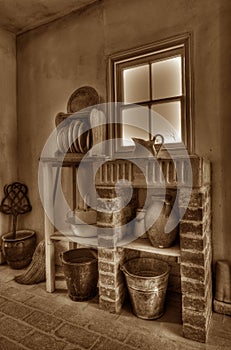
(153, 84)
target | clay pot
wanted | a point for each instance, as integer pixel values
(159, 219)
(18, 252)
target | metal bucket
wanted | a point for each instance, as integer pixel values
(147, 281)
(81, 273)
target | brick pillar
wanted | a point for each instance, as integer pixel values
(196, 258)
(110, 221)
(111, 280)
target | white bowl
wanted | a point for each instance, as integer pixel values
(78, 216)
(82, 230)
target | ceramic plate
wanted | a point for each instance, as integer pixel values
(82, 136)
(88, 140)
(75, 135)
(70, 136)
(81, 98)
(59, 140)
(65, 139)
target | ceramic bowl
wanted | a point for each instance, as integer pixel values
(82, 230)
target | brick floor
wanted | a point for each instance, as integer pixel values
(32, 319)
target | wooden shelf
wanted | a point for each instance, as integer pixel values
(143, 244)
(69, 159)
(69, 237)
(63, 160)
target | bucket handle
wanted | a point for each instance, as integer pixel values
(122, 268)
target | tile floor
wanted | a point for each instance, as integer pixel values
(31, 318)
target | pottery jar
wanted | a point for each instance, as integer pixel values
(139, 230)
(161, 222)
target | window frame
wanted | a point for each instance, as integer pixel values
(144, 54)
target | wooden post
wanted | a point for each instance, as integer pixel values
(49, 228)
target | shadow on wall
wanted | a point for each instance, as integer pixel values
(225, 90)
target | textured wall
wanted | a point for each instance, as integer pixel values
(55, 59)
(8, 120)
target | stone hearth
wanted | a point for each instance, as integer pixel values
(191, 272)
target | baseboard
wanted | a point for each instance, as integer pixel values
(221, 307)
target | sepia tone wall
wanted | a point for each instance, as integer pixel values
(55, 59)
(8, 119)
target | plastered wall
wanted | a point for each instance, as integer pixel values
(8, 119)
(55, 59)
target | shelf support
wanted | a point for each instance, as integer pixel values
(49, 228)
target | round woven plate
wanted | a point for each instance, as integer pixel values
(81, 98)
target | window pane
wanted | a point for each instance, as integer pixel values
(166, 78)
(166, 120)
(135, 124)
(136, 84)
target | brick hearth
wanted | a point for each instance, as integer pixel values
(191, 272)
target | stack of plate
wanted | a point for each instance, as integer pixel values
(74, 137)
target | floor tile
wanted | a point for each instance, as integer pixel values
(6, 344)
(43, 321)
(76, 335)
(38, 341)
(13, 329)
(16, 310)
